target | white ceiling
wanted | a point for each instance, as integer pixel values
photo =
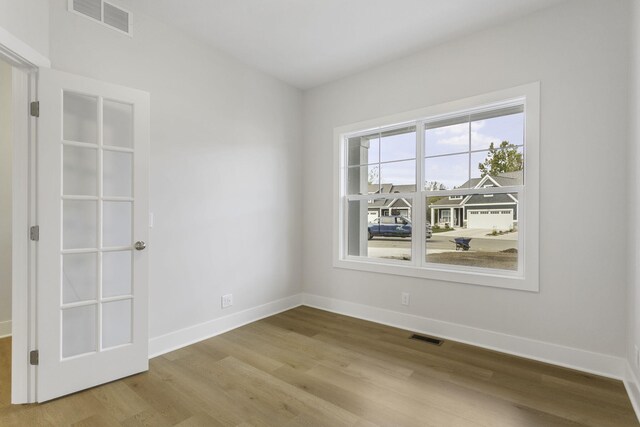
(310, 42)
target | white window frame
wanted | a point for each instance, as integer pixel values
(527, 276)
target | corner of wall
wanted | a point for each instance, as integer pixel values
(631, 385)
(5, 329)
(633, 273)
(196, 333)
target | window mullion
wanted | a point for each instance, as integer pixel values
(469, 154)
(419, 211)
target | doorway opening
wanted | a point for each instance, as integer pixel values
(18, 71)
(5, 232)
(6, 192)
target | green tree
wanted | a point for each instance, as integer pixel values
(504, 158)
(435, 186)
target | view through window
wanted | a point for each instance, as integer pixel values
(446, 190)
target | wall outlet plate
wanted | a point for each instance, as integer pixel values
(227, 300)
(404, 298)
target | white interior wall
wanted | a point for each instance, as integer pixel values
(578, 51)
(225, 166)
(634, 193)
(28, 20)
(5, 198)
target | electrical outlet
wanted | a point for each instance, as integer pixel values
(404, 297)
(227, 300)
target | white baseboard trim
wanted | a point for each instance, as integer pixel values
(5, 329)
(631, 384)
(193, 334)
(573, 358)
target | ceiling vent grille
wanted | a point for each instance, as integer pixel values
(116, 18)
(104, 13)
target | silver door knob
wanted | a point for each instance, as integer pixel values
(140, 245)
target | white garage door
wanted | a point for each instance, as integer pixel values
(489, 219)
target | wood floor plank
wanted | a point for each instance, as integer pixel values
(368, 409)
(308, 367)
(5, 374)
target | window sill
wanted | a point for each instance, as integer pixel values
(482, 277)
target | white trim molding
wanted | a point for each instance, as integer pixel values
(23, 375)
(5, 329)
(196, 333)
(18, 52)
(582, 360)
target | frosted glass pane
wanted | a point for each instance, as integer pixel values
(78, 330)
(79, 277)
(117, 224)
(116, 273)
(118, 124)
(117, 173)
(80, 118)
(79, 224)
(79, 173)
(116, 323)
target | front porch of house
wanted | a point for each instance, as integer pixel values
(451, 216)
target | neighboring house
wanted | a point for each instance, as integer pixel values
(488, 211)
(392, 205)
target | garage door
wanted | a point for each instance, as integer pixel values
(489, 219)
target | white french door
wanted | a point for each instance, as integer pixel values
(92, 208)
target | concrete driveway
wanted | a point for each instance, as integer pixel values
(441, 242)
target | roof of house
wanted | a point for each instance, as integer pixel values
(391, 190)
(503, 180)
(479, 199)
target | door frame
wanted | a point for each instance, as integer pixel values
(25, 62)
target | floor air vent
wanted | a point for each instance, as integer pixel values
(430, 340)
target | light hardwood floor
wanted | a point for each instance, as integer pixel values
(307, 367)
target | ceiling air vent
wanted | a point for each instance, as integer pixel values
(90, 8)
(104, 13)
(116, 18)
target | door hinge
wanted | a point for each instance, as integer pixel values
(34, 233)
(34, 357)
(35, 108)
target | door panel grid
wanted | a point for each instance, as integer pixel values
(97, 203)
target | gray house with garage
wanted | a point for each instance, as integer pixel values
(392, 205)
(479, 211)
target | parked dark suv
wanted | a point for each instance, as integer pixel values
(393, 226)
